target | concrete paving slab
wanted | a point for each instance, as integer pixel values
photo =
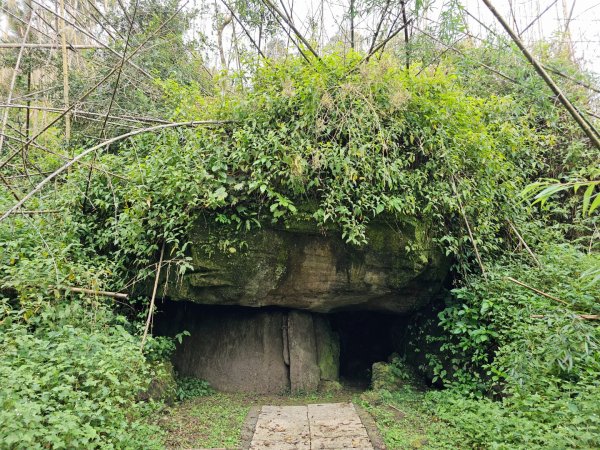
(331, 426)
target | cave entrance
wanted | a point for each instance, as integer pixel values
(274, 350)
(366, 338)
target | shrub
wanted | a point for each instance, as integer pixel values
(70, 379)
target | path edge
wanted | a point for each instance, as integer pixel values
(371, 427)
(249, 427)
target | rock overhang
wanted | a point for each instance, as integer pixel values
(302, 266)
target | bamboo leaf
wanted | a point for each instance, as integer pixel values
(587, 195)
(595, 204)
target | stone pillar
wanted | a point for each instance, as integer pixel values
(304, 370)
(328, 349)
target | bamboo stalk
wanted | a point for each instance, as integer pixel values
(379, 24)
(464, 215)
(13, 80)
(154, 289)
(94, 38)
(61, 156)
(50, 46)
(537, 291)
(61, 169)
(549, 81)
(79, 112)
(244, 29)
(289, 22)
(579, 316)
(93, 88)
(39, 211)
(65, 70)
(537, 261)
(95, 292)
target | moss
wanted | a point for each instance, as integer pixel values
(163, 386)
(329, 359)
(328, 349)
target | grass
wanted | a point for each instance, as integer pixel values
(211, 421)
(405, 422)
(216, 420)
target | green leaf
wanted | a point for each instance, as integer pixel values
(595, 204)
(587, 195)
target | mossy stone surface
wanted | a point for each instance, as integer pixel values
(300, 265)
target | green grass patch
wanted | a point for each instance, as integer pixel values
(216, 420)
(404, 421)
(210, 421)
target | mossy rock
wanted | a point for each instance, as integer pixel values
(303, 266)
(162, 386)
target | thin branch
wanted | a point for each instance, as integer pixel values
(289, 22)
(464, 215)
(454, 49)
(99, 146)
(95, 39)
(379, 24)
(154, 289)
(385, 41)
(537, 261)
(537, 291)
(87, 93)
(112, 99)
(549, 81)
(234, 15)
(94, 292)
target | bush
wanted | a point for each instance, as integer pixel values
(70, 379)
(544, 372)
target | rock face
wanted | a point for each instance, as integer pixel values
(235, 352)
(290, 277)
(303, 268)
(257, 350)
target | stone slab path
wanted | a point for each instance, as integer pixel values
(329, 426)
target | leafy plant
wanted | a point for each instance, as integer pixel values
(189, 387)
(70, 379)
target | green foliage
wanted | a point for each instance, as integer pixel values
(70, 379)
(352, 140)
(541, 191)
(405, 421)
(188, 388)
(532, 424)
(338, 142)
(546, 370)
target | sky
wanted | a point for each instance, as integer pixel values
(584, 23)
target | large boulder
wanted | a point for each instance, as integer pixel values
(305, 267)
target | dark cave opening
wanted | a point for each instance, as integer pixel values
(365, 338)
